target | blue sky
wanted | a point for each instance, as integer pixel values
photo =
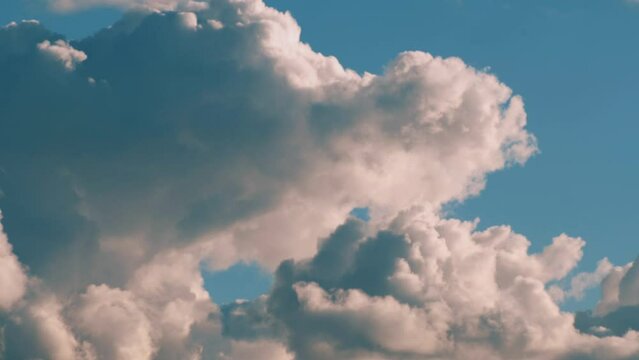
(574, 63)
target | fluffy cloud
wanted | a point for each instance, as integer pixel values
(428, 287)
(164, 312)
(618, 311)
(212, 135)
(112, 320)
(582, 282)
(13, 280)
(37, 329)
(172, 132)
(61, 51)
(52, 332)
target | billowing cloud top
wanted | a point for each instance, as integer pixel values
(212, 134)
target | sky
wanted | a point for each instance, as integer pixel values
(246, 187)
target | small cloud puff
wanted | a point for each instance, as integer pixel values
(61, 51)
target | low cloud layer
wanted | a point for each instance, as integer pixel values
(426, 287)
(212, 135)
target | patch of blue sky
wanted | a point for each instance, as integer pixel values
(361, 213)
(240, 281)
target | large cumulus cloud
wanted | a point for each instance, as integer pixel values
(173, 129)
(426, 287)
(212, 134)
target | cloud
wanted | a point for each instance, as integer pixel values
(61, 51)
(171, 132)
(56, 338)
(13, 280)
(212, 134)
(37, 329)
(582, 282)
(428, 287)
(618, 310)
(620, 288)
(163, 313)
(148, 5)
(112, 321)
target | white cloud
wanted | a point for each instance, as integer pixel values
(61, 51)
(382, 321)
(235, 140)
(164, 313)
(619, 288)
(215, 24)
(13, 280)
(57, 339)
(113, 321)
(432, 287)
(171, 289)
(583, 281)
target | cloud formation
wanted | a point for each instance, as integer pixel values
(212, 134)
(170, 131)
(13, 280)
(61, 51)
(618, 311)
(428, 287)
(157, 5)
